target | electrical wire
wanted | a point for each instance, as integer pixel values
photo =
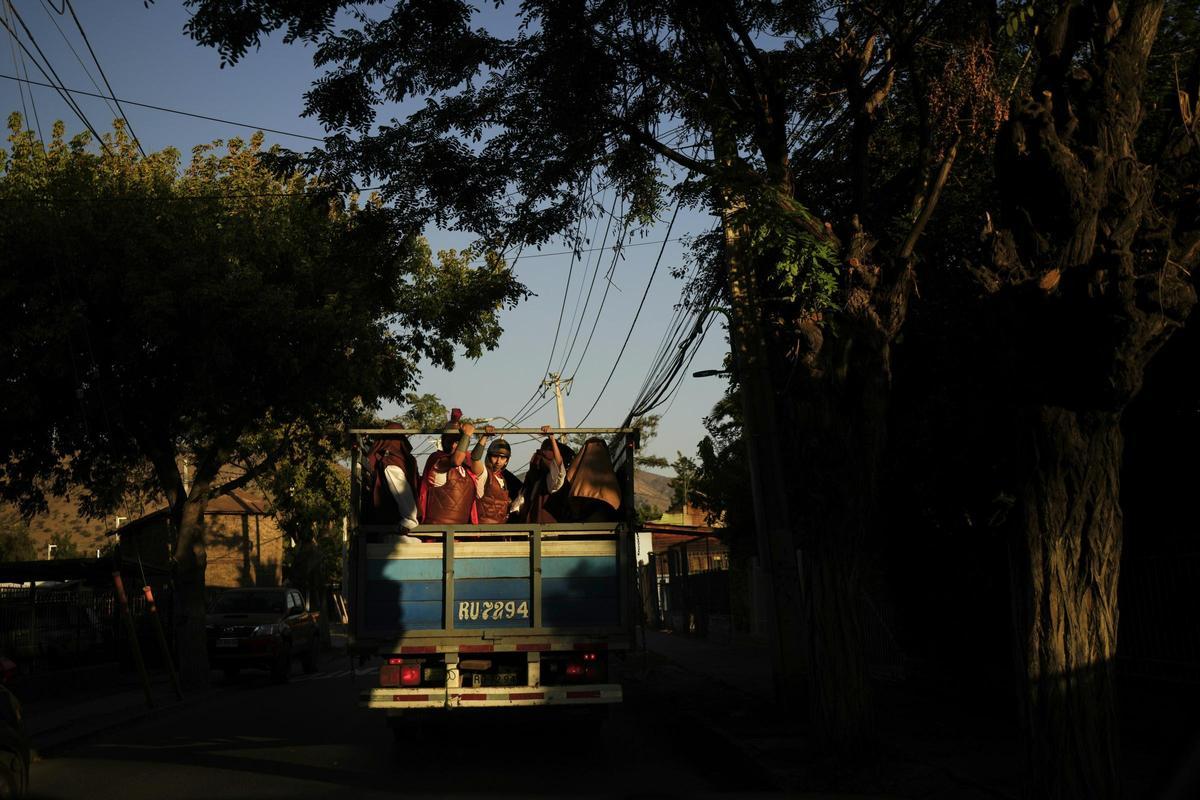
(591, 287)
(585, 250)
(50, 10)
(169, 110)
(107, 85)
(617, 251)
(554, 346)
(645, 294)
(56, 86)
(12, 44)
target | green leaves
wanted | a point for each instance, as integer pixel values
(150, 310)
(1018, 17)
(803, 268)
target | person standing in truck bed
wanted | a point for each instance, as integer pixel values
(495, 499)
(547, 472)
(393, 471)
(448, 487)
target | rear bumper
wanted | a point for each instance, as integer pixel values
(491, 697)
(247, 651)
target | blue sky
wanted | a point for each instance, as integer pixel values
(148, 59)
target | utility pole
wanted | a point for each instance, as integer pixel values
(557, 382)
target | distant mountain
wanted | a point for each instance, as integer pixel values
(652, 489)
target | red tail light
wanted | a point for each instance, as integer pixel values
(410, 675)
(574, 670)
(395, 660)
(389, 675)
(589, 656)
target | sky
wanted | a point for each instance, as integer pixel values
(147, 59)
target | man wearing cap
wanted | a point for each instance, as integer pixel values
(496, 497)
(448, 488)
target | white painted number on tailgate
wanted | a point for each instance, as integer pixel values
(492, 609)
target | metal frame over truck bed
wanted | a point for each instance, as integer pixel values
(525, 593)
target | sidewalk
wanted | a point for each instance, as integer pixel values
(923, 750)
(53, 722)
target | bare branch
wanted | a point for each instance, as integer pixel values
(931, 200)
(645, 139)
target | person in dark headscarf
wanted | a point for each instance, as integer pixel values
(448, 487)
(501, 489)
(392, 470)
(591, 488)
(547, 473)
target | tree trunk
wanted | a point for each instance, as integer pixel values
(1066, 561)
(841, 429)
(191, 560)
(776, 544)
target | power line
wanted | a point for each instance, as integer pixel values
(603, 299)
(56, 86)
(168, 110)
(641, 304)
(107, 85)
(586, 249)
(12, 44)
(557, 328)
(582, 316)
(50, 12)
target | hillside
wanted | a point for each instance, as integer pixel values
(652, 489)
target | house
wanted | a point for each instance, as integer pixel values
(244, 543)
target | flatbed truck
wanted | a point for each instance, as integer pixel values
(493, 616)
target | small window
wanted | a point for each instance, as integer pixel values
(295, 602)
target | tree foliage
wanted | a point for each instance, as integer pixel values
(157, 314)
(1031, 166)
(15, 542)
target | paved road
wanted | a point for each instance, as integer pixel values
(309, 739)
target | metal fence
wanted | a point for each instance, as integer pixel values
(53, 628)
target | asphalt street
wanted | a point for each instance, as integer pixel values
(309, 738)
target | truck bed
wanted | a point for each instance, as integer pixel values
(503, 584)
(539, 598)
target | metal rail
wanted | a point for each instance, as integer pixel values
(479, 429)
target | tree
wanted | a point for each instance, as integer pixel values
(704, 102)
(649, 429)
(15, 542)
(822, 137)
(425, 411)
(1087, 273)
(722, 473)
(65, 546)
(158, 320)
(684, 482)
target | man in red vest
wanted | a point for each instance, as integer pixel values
(502, 488)
(448, 488)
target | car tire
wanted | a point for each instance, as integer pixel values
(309, 661)
(281, 670)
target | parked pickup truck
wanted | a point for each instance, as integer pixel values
(475, 616)
(265, 628)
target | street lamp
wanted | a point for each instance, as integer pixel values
(710, 373)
